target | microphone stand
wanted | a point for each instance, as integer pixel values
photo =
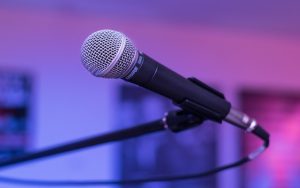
(175, 121)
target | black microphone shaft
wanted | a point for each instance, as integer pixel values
(190, 94)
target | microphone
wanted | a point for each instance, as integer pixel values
(110, 54)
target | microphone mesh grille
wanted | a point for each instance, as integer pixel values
(125, 62)
(104, 54)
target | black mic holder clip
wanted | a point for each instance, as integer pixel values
(203, 110)
(179, 120)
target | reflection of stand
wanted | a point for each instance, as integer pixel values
(175, 121)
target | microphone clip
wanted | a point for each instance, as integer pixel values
(179, 120)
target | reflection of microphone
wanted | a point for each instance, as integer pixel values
(110, 54)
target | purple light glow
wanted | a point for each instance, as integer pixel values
(69, 103)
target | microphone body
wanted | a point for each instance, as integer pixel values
(110, 54)
(190, 94)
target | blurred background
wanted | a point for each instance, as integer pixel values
(248, 50)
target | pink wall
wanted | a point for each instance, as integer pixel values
(70, 103)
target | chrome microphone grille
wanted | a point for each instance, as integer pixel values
(108, 53)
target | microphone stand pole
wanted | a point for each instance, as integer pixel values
(175, 121)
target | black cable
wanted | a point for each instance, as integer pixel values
(129, 181)
(120, 135)
(120, 182)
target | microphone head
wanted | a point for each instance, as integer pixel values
(109, 54)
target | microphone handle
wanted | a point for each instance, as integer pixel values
(190, 94)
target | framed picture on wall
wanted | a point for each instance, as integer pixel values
(163, 153)
(15, 91)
